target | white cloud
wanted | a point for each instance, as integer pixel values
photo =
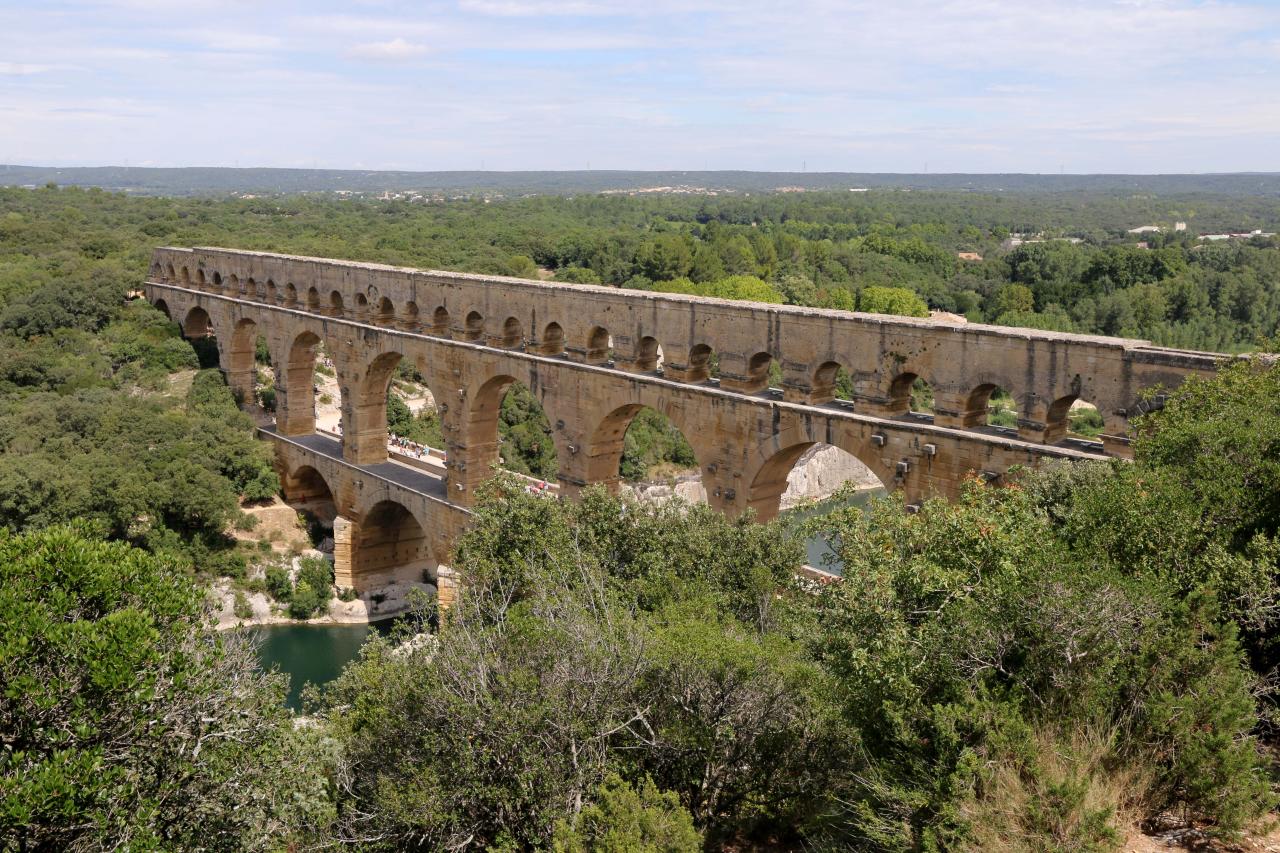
(396, 50)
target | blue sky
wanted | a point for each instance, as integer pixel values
(885, 85)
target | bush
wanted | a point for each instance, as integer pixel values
(242, 608)
(278, 584)
(306, 601)
(621, 818)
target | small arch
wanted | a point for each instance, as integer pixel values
(831, 381)
(197, 324)
(272, 294)
(991, 405)
(186, 276)
(386, 312)
(313, 300)
(251, 289)
(411, 321)
(910, 394)
(290, 295)
(217, 280)
(156, 272)
(440, 322)
(512, 334)
(760, 369)
(599, 345)
(552, 340)
(657, 449)
(702, 364)
(169, 273)
(391, 545)
(335, 304)
(361, 306)
(785, 479)
(1073, 417)
(474, 330)
(233, 285)
(200, 282)
(648, 355)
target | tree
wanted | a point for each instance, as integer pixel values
(892, 300)
(126, 722)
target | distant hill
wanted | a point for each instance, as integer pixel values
(221, 181)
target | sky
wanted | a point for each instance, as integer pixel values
(1136, 86)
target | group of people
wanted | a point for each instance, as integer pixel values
(405, 447)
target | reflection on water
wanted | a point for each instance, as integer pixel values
(818, 551)
(311, 654)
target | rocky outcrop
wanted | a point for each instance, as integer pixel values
(823, 469)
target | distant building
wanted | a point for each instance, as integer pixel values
(1179, 226)
(968, 256)
(1145, 229)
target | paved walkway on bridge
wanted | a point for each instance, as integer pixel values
(410, 478)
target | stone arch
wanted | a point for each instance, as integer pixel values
(827, 381)
(197, 324)
(701, 363)
(156, 272)
(386, 312)
(232, 285)
(978, 408)
(598, 347)
(163, 307)
(252, 289)
(307, 490)
(440, 322)
(313, 300)
(217, 280)
(169, 273)
(908, 392)
(411, 322)
(608, 441)
(240, 365)
(483, 438)
(1062, 422)
(272, 293)
(770, 479)
(295, 386)
(336, 308)
(186, 277)
(290, 295)
(648, 354)
(361, 306)
(474, 328)
(552, 340)
(200, 280)
(758, 370)
(364, 429)
(391, 545)
(512, 334)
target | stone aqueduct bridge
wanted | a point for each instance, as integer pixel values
(591, 357)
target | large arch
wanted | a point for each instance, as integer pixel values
(484, 439)
(607, 444)
(295, 386)
(364, 428)
(240, 363)
(163, 307)
(773, 477)
(197, 327)
(391, 544)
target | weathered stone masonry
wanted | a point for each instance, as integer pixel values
(590, 355)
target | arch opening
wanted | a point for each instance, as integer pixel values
(809, 472)
(252, 289)
(368, 426)
(474, 329)
(307, 491)
(335, 304)
(910, 395)
(639, 446)
(552, 340)
(509, 426)
(197, 327)
(313, 300)
(163, 307)
(512, 334)
(649, 355)
(361, 305)
(1072, 417)
(599, 346)
(272, 293)
(386, 312)
(993, 406)
(169, 274)
(411, 322)
(391, 546)
(297, 379)
(247, 379)
(831, 381)
(703, 364)
(440, 322)
(232, 286)
(290, 295)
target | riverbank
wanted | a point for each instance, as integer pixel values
(385, 602)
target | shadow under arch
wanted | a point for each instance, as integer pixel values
(306, 490)
(368, 408)
(391, 545)
(608, 444)
(163, 307)
(296, 378)
(830, 381)
(197, 328)
(552, 340)
(773, 477)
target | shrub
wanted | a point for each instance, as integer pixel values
(278, 583)
(242, 608)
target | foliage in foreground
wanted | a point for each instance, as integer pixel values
(124, 721)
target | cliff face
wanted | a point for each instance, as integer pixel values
(818, 473)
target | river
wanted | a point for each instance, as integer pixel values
(818, 552)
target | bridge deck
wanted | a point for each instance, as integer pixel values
(395, 473)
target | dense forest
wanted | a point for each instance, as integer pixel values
(1043, 665)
